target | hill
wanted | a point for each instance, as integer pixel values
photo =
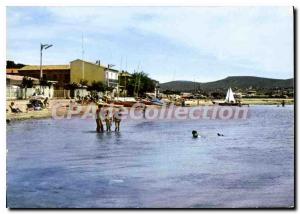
(241, 82)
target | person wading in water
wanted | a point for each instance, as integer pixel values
(108, 121)
(144, 111)
(117, 119)
(99, 120)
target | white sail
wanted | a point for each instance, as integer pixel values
(229, 96)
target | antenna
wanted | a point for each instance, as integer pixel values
(137, 80)
(194, 84)
(121, 63)
(82, 47)
(82, 55)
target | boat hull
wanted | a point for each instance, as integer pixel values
(124, 103)
(229, 104)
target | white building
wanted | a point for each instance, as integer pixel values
(112, 77)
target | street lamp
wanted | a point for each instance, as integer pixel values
(43, 46)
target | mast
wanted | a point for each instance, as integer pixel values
(229, 96)
(118, 87)
(136, 80)
(82, 56)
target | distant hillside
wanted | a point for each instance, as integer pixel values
(241, 82)
(179, 86)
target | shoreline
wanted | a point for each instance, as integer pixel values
(43, 114)
(47, 113)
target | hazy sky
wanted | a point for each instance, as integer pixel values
(168, 43)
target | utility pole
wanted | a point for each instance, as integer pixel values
(136, 79)
(43, 46)
(82, 56)
(138, 88)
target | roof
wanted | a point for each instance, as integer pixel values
(12, 70)
(125, 74)
(45, 67)
(89, 63)
(18, 77)
(101, 65)
(113, 70)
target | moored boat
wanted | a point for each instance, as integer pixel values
(156, 102)
(124, 101)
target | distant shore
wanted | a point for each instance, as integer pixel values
(267, 101)
(246, 101)
(47, 113)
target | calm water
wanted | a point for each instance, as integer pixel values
(64, 163)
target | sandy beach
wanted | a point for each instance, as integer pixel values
(46, 113)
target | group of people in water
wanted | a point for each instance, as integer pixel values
(108, 119)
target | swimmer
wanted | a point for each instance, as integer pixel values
(195, 134)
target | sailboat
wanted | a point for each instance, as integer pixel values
(229, 100)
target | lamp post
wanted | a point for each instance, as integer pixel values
(43, 46)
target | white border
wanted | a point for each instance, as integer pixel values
(5, 3)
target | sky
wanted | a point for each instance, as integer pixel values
(169, 43)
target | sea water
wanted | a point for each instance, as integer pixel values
(153, 164)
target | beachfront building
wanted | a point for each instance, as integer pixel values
(112, 77)
(124, 77)
(12, 71)
(83, 70)
(58, 73)
(16, 90)
(88, 71)
(74, 72)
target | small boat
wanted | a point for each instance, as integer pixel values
(156, 102)
(146, 102)
(229, 100)
(152, 100)
(124, 101)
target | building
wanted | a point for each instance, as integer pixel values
(16, 80)
(12, 71)
(83, 70)
(76, 71)
(112, 77)
(59, 73)
(124, 78)
(16, 90)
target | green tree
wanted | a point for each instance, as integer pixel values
(139, 84)
(12, 64)
(71, 86)
(83, 82)
(44, 83)
(26, 83)
(97, 86)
